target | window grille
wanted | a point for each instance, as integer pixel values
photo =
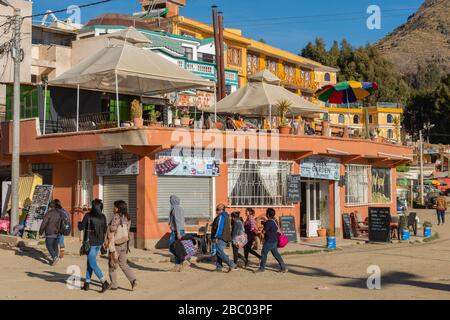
(84, 184)
(357, 184)
(258, 183)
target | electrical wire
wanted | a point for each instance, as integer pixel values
(65, 9)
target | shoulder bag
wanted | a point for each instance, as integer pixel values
(282, 238)
(86, 246)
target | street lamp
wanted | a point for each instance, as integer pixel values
(428, 126)
(15, 163)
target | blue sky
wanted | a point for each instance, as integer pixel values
(287, 24)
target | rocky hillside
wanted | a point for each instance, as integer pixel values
(423, 39)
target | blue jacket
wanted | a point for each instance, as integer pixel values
(221, 228)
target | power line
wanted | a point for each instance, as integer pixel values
(65, 9)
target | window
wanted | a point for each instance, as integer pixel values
(356, 184)
(234, 56)
(341, 119)
(381, 185)
(390, 118)
(390, 134)
(356, 119)
(45, 170)
(188, 53)
(327, 77)
(206, 57)
(370, 119)
(83, 191)
(252, 63)
(289, 73)
(258, 183)
(272, 66)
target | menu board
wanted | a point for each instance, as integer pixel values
(294, 189)
(287, 224)
(347, 226)
(39, 206)
(379, 224)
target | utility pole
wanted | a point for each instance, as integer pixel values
(421, 166)
(218, 53)
(222, 57)
(15, 165)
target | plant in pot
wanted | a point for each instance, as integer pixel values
(427, 231)
(154, 115)
(185, 117)
(321, 232)
(176, 117)
(136, 113)
(331, 239)
(283, 108)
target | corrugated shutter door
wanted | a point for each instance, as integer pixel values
(119, 188)
(195, 195)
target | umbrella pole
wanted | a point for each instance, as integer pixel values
(78, 107)
(117, 102)
(45, 104)
(215, 103)
(270, 116)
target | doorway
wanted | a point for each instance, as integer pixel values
(314, 213)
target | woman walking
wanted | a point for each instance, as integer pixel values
(251, 230)
(237, 230)
(66, 216)
(94, 227)
(119, 229)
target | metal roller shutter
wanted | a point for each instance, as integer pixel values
(195, 195)
(119, 188)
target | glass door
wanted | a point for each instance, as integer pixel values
(313, 195)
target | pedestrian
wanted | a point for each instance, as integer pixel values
(94, 226)
(66, 216)
(441, 207)
(271, 242)
(221, 235)
(176, 224)
(119, 229)
(51, 226)
(237, 230)
(251, 230)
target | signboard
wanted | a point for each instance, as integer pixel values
(186, 100)
(116, 163)
(287, 224)
(318, 167)
(205, 100)
(431, 150)
(186, 166)
(379, 224)
(39, 206)
(347, 226)
(294, 189)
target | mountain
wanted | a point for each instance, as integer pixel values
(424, 39)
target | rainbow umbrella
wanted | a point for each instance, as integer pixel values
(346, 92)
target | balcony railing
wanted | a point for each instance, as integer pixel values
(86, 122)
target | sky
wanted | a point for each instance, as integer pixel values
(286, 24)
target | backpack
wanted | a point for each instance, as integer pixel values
(65, 227)
(121, 235)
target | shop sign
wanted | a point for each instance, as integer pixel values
(205, 100)
(318, 167)
(186, 166)
(116, 163)
(186, 100)
(431, 151)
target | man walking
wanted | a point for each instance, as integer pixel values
(441, 207)
(221, 234)
(51, 226)
(176, 224)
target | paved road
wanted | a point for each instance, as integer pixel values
(408, 271)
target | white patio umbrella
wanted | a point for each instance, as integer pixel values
(130, 35)
(134, 70)
(260, 96)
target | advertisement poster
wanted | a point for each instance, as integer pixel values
(186, 166)
(318, 167)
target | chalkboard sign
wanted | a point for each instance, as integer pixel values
(379, 224)
(39, 206)
(347, 226)
(294, 189)
(287, 225)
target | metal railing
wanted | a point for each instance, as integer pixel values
(86, 122)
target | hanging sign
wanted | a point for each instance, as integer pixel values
(187, 166)
(116, 163)
(318, 167)
(205, 100)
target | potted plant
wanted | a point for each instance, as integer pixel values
(283, 107)
(136, 113)
(176, 117)
(185, 118)
(427, 231)
(331, 239)
(321, 232)
(154, 115)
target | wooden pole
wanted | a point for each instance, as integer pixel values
(222, 58)
(217, 49)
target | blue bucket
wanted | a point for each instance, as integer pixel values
(405, 235)
(427, 232)
(331, 242)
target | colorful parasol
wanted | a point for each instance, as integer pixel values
(346, 92)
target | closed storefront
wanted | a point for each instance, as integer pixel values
(195, 194)
(119, 188)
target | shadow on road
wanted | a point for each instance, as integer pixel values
(142, 268)
(314, 272)
(51, 276)
(399, 278)
(32, 253)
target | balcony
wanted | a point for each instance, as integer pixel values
(208, 71)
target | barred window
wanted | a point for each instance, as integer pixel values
(258, 183)
(356, 184)
(83, 189)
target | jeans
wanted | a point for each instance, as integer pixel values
(172, 239)
(61, 241)
(271, 247)
(441, 216)
(222, 257)
(52, 247)
(92, 265)
(248, 249)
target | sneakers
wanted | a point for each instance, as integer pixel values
(258, 271)
(232, 268)
(133, 284)
(85, 286)
(283, 270)
(55, 261)
(219, 269)
(105, 286)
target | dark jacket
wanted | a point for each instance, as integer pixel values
(221, 228)
(51, 224)
(270, 231)
(94, 239)
(237, 229)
